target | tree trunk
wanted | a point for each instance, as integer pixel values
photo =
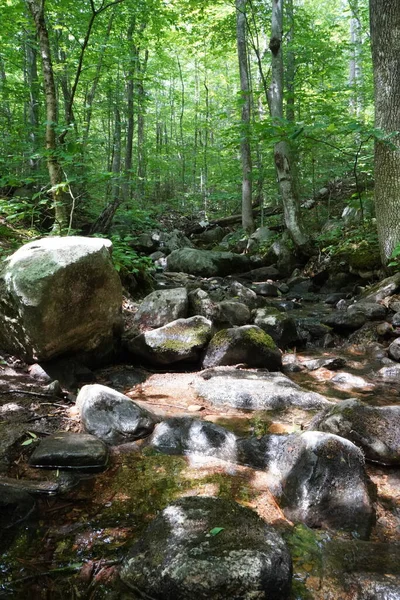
(245, 150)
(282, 155)
(32, 107)
(385, 42)
(60, 198)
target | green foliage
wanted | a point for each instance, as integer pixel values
(357, 246)
(125, 259)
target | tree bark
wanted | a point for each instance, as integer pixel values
(385, 43)
(32, 107)
(60, 198)
(245, 149)
(282, 156)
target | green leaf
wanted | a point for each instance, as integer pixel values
(27, 442)
(216, 530)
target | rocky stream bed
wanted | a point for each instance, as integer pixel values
(158, 509)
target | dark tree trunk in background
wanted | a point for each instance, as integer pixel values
(385, 42)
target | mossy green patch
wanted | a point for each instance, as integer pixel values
(259, 338)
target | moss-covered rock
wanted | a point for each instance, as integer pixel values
(248, 344)
(180, 340)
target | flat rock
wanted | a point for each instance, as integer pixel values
(111, 416)
(66, 450)
(207, 263)
(255, 390)
(341, 320)
(209, 548)
(375, 429)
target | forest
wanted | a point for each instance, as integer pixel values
(113, 114)
(199, 299)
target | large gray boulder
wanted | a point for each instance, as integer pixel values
(59, 295)
(318, 478)
(111, 416)
(180, 340)
(375, 429)
(206, 263)
(255, 390)
(204, 548)
(248, 344)
(162, 307)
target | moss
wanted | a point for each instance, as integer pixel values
(259, 338)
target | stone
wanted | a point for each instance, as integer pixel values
(200, 303)
(174, 241)
(205, 547)
(207, 263)
(111, 416)
(210, 237)
(232, 313)
(65, 450)
(348, 381)
(248, 344)
(318, 478)
(310, 329)
(60, 295)
(16, 506)
(379, 291)
(341, 320)
(394, 349)
(178, 341)
(390, 373)
(261, 274)
(255, 390)
(162, 307)
(371, 310)
(332, 363)
(374, 429)
(266, 289)
(396, 320)
(187, 436)
(280, 326)
(241, 293)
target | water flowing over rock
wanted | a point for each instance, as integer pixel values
(256, 390)
(59, 295)
(208, 548)
(180, 340)
(248, 344)
(375, 429)
(111, 416)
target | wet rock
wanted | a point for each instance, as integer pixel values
(384, 330)
(280, 326)
(162, 307)
(333, 299)
(319, 479)
(180, 340)
(111, 416)
(266, 289)
(248, 344)
(232, 313)
(200, 303)
(16, 505)
(310, 329)
(60, 295)
(243, 294)
(390, 373)
(206, 263)
(332, 363)
(394, 349)
(371, 310)
(183, 435)
(348, 381)
(255, 390)
(209, 548)
(345, 321)
(66, 450)
(56, 482)
(375, 429)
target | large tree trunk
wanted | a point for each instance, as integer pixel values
(385, 40)
(32, 105)
(60, 198)
(245, 150)
(283, 161)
